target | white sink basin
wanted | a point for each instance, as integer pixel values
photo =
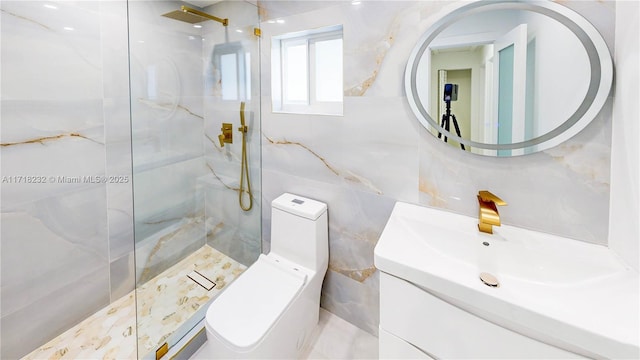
(567, 293)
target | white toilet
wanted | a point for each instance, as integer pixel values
(273, 307)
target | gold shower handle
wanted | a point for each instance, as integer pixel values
(227, 134)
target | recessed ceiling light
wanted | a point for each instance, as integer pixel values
(69, 28)
(49, 6)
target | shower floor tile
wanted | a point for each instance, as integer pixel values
(164, 303)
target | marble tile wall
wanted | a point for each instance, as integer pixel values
(66, 236)
(68, 89)
(166, 124)
(186, 184)
(360, 164)
(230, 229)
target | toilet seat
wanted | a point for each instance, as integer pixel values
(244, 313)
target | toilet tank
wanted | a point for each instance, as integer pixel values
(299, 231)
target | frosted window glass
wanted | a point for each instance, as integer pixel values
(306, 72)
(229, 76)
(296, 73)
(329, 70)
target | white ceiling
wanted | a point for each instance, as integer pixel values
(202, 3)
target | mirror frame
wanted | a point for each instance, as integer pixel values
(600, 83)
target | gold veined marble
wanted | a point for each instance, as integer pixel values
(165, 315)
(44, 139)
(345, 174)
(286, 142)
(359, 275)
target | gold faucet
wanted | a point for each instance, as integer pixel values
(488, 214)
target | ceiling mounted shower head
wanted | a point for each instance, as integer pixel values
(193, 16)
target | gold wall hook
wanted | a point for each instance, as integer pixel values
(488, 215)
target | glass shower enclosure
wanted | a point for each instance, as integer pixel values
(195, 130)
(128, 136)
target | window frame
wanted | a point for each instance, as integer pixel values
(279, 72)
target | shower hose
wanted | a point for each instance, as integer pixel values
(244, 170)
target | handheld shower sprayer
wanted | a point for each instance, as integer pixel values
(244, 168)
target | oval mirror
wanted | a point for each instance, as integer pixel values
(507, 78)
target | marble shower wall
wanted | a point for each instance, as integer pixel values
(230, 229)
(186, 185)
(167, 123)
(361, 163)
(67, 244)
(66, 237)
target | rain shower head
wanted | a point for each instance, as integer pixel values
(193, 16)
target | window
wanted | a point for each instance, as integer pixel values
(306, 72)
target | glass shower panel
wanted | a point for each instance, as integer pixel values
(191, 236)
(66, 237)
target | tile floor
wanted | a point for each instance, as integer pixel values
(164, 303)
(338, 339)
(335, 339)
(111, 332)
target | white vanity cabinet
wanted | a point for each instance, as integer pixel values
(554, 297)
(415, 324)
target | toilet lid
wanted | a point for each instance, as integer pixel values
(244, 312)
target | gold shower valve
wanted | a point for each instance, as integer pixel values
(227, 134)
